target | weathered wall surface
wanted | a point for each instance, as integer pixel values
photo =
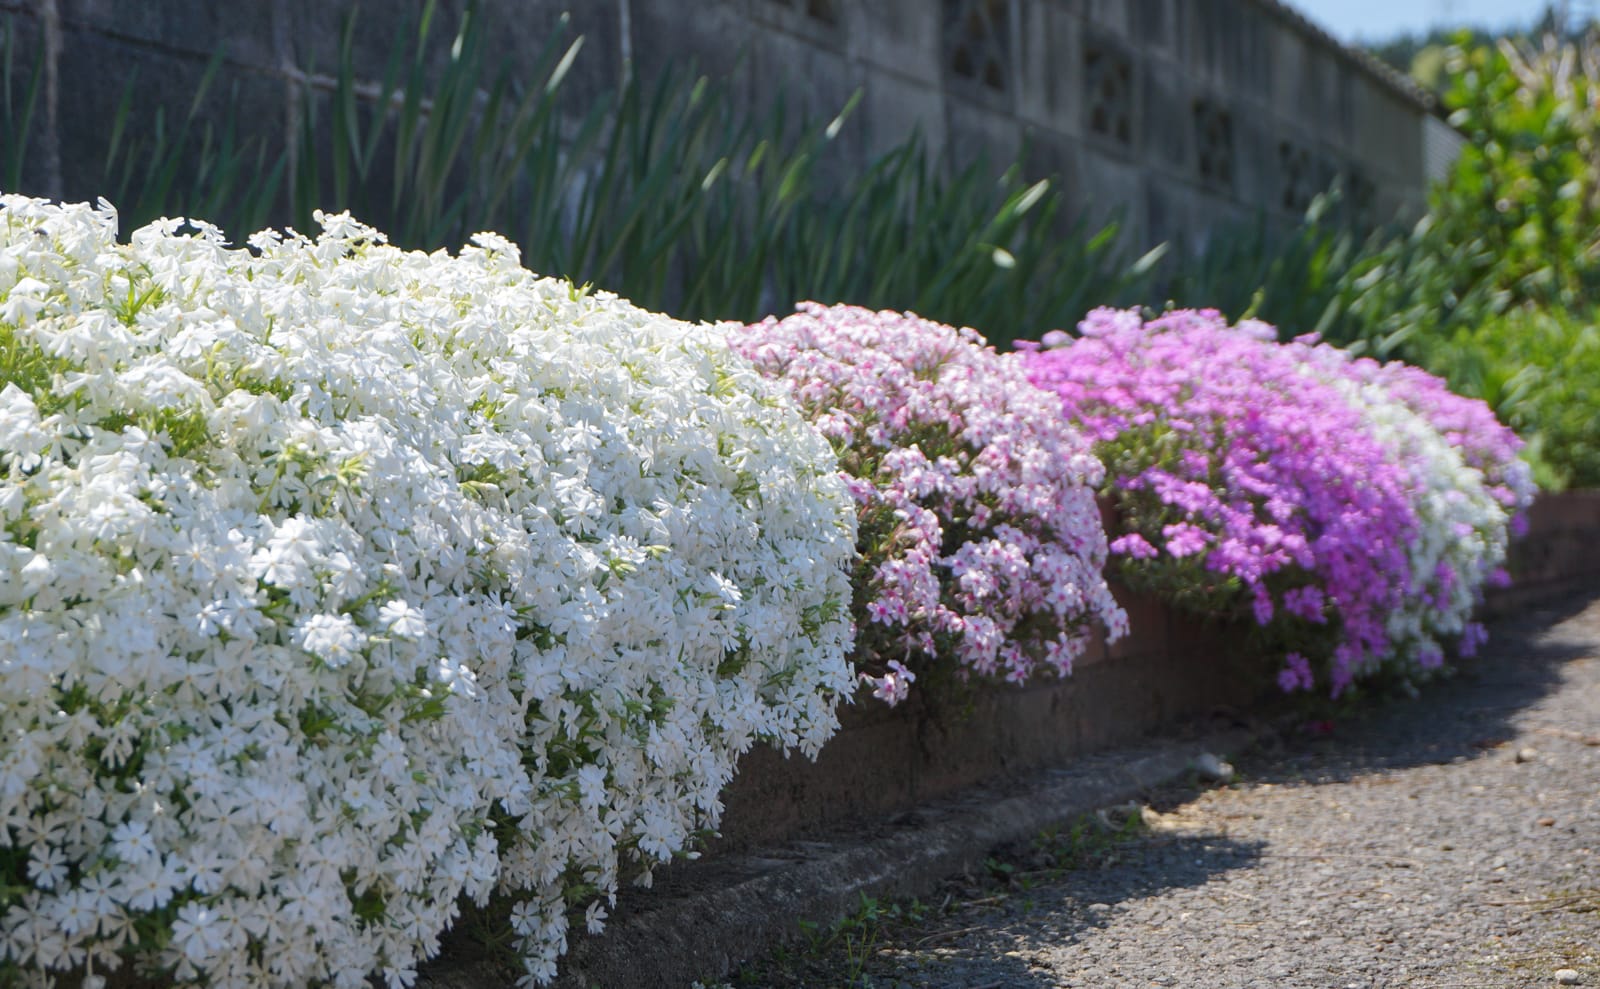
(1174, 114)
(887, 760)
(1560, 550)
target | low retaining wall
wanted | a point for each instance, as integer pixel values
(1170, 667)
(1560, 551)
(945, 738)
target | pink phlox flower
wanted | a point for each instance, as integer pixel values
(1255, 329)
(1184, 539)
(1193, 498)
(893, 686)
(954, 439)
(1106, 321)
(1296, 674)
(1472, 639)
(1135, 546)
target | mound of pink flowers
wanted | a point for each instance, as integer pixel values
(1353, 510)
(980, 537)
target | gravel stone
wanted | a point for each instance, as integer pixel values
(1212, 768)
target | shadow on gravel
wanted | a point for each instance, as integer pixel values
(994, 941)
(1452, 720)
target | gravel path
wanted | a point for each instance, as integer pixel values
(1448, 841)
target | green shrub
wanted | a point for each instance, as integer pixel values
(1539, 368)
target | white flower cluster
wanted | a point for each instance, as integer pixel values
(1463, 530)
(337, 582)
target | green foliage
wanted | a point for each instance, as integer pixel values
(1494, 288)
(167, 165)
(857, 936)
(19, 97)
(413, 155)
(1088, 841)
(963, 249)
(1296, 280)
(1527, 185)
(1539, 368)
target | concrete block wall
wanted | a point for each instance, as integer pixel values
(1177, 115)
(945, 738)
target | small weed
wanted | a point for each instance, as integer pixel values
(1000, 871)
(1090, 840)
(858, 935)
(842, 950)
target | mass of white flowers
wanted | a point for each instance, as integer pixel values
(338, 582)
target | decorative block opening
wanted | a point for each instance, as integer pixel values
(1297, 177)
(1361, 198)
(1213, 141)
(977, 41)
(826, 11)
(1108, 80)
(821, 11)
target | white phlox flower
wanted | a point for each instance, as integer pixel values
(321, 559)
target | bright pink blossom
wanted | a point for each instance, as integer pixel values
(1245, 482)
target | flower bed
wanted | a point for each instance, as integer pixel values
(1354, 510)
(980, 539)
(338, 582)
(1467, 487)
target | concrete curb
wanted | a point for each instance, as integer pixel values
(703, 918)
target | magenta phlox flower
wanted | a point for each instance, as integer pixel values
(1232, 451)
(1473, 636)
(980, 537)
(1261, 604)
(1305, 603)
(1193, 498)
(1135, 546)
(1184, 539)
(1296, 674)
